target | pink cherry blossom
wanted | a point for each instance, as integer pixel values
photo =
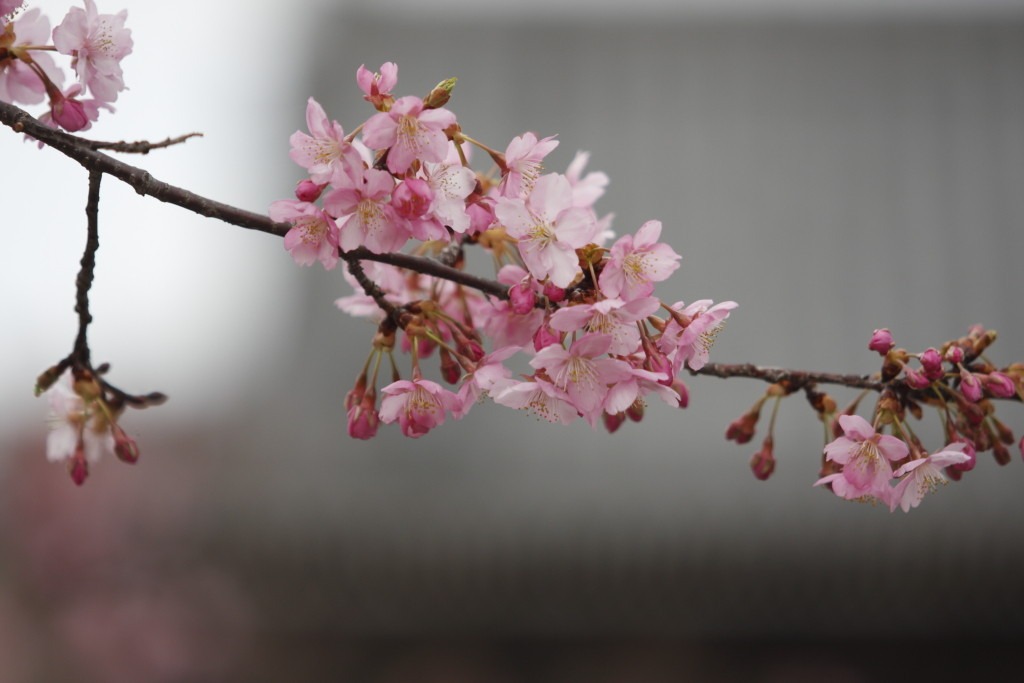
(636, 263)
(582, 371)
(74, 425)
(451, 184)
(18, 83)
(613, 317)
(866, 458)
(638, 384)
(418, 405)
(540, 397)
(376, 86)
(490, 377)
(313, 236)
(548, 228)
(586, 190)
(324, 149)
(692, 344)
(409, 133)
(412, 200)
(523, 157)
(925, 475)
(97, 44)
(365, 215)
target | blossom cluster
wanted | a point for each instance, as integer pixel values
(83, 416)
(96, 44)
(865, 464)
(578, 303)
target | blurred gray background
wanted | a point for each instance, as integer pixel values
(833, 168)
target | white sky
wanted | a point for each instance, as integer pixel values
(178, 299)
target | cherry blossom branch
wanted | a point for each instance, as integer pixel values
(87, 154)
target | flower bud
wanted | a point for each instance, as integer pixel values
(954, 355)
(78, 468)
(363, 419)
(967, 465)
(915, 379)
(1001, 453)
(553, 293)
(970, 385)
(742, 429)
(763, 462)
(125, 447)
(613, 422)
(69, 114)
(440, 95)
(881, 341)
(635, 411)
(521, 297)
(450, 369)
(931, 361)
(545, 337)
(1000, 385)
(412, 198)
(308, 191)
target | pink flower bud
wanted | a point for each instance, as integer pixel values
(763, 462)
(1000, 385)
(125, 447)
(544, 337)
(635, 411)
(881, 341)
(968, 464)
(308, 191)
(970, 385)
(915, 379)
(451, 371)
(553, 293)
(1001, 453)
(613, 422)
(78, 468)
(521, 297)
(412, 198)
(931, 361)
(69, 114)
(954, 354)
(742, 429)
(363, 419)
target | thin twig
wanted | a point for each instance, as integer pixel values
(80, 354)
(141, 146)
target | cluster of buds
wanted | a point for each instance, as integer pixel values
(96, 44)
(864, 463)
(84, 412)
(597, 340)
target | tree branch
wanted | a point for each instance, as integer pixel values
(796, 378)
